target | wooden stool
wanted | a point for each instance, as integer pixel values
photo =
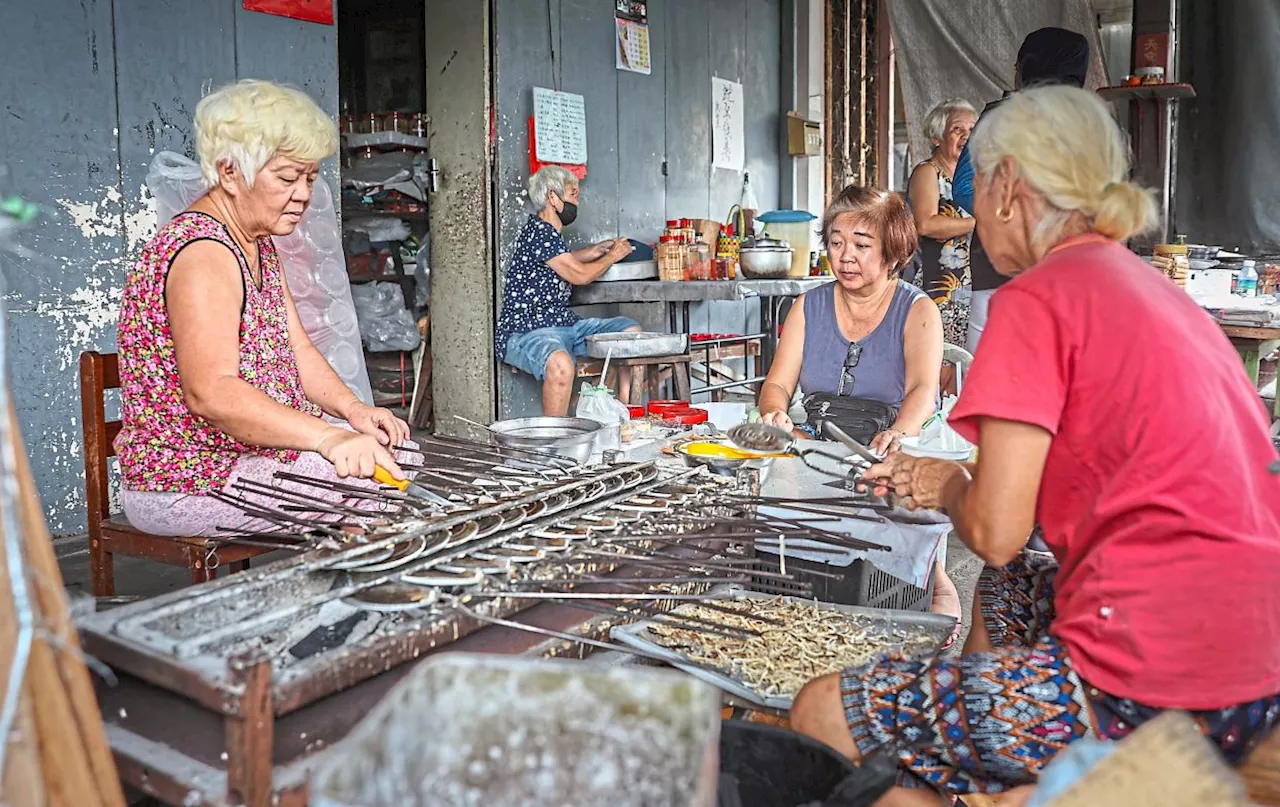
(641, 377)
(112, 534)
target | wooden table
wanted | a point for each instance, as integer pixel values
(1253, 343)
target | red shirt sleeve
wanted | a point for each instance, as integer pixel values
(1021, 370)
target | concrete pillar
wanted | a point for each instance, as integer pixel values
(1157, 135)
(461, 213)
(803, 85)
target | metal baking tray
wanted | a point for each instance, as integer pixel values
(635, 345)
(630, 270)
(880, 620)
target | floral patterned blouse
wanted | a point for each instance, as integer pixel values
(162, 446)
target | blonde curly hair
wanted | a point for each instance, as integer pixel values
(250, 122)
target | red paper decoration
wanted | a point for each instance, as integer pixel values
(320, 11)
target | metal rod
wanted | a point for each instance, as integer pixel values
(184, 647)
(319, 504)
(617, 582)
(586, 595)
(554, 634)
(661, 618)
(665, 561)
(588, 580)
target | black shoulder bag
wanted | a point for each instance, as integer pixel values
(860, 418)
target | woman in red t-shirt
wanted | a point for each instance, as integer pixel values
(1111, 410)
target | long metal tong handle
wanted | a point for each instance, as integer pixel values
(836, 433)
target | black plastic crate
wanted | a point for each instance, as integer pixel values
(860, 583)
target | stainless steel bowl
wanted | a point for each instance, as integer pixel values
(566, 437)
(765, 261)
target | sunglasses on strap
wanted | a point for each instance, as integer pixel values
(851, 359)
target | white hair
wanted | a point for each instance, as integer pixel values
(1064, 144)
(935, 123)
(250, 122)
(549, 179)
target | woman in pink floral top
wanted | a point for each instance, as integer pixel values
(219, 379)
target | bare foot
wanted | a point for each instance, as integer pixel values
(946, 601)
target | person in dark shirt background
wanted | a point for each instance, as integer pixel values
(537, 333)
(1047, 56)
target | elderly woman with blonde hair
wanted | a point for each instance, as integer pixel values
(943, 225)
(219, 381)
(1151, 487)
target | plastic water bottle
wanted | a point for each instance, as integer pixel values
(1247, 285)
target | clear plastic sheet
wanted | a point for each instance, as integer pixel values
(313, 262)
(970, 54)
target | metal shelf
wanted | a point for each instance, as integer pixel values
(353, 140)
(1148, 92)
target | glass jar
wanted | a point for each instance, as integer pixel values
(700, 261)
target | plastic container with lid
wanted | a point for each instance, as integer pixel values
(660, 406)
(796, 228)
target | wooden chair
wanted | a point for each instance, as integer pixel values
(112, 534)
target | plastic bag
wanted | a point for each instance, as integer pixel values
(313, 262)
(381, 230)
(937, 438)
(385, 324)
(598, 404)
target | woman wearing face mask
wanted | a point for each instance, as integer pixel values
(537, 333)
(219, 381)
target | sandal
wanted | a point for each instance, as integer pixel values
(955, 634)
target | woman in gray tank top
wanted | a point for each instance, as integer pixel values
(868, 335)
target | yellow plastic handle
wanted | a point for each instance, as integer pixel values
(384, 476)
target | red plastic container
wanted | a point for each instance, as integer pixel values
(685, 417)
(660, 408)
(636, 412)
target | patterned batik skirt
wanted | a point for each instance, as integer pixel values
(986, 722)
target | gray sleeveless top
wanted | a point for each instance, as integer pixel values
(881, 374)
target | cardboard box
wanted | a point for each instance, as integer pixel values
(804, 137)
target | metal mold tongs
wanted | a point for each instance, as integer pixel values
(764, 438)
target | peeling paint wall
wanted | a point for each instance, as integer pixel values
(89, 91)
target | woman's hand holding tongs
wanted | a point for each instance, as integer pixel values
(918, 482)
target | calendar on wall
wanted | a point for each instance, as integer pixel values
(632, 46)
(560, 126)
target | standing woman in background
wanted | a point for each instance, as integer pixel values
(943, 226)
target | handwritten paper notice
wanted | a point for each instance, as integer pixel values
(728, 147)
(560, 126)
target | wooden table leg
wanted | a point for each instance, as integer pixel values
(102, 567)
(1251, 353)
(636, 393)
(249, 735)
(680, 377)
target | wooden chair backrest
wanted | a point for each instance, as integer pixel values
(99, 372)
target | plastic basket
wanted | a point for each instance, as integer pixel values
(860, 583)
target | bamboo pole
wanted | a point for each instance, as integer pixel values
(58, 755)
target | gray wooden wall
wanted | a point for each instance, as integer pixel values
(636, 122)
(90, 90)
